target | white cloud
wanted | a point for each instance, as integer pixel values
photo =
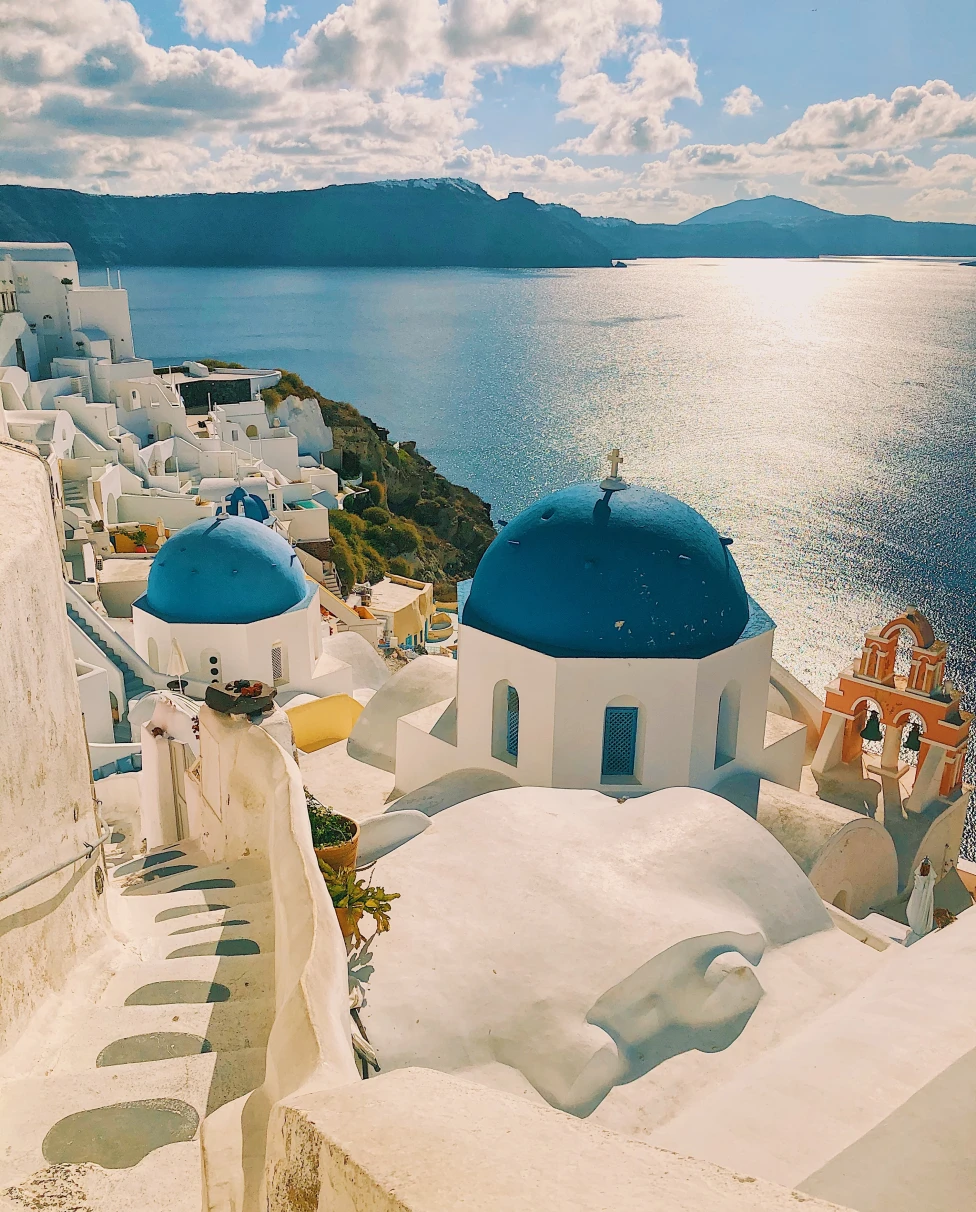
(630, 117)
(741, 102)
(223, 20)
(287, 12)
(911, 115)
(751, 189)
(861, 168)
(952, 205)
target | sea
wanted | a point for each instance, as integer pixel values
(819, 412)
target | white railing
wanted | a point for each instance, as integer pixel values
(89, 850)
(123, 650)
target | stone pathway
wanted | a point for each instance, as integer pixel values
(102, 1100)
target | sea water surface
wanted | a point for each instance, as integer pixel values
(820, 412)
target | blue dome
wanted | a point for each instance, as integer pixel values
(224, 570)
(589, 573)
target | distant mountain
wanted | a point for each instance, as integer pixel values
(444, 221)
(439, 221)
(775, 227)
(781, 212)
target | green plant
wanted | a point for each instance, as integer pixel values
(376, 515)
(358, 899)
(328, 827)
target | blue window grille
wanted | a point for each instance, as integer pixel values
(619, 742)
(512, 725)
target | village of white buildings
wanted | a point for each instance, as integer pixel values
(567, 895)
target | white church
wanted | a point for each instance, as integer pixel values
(608, 642)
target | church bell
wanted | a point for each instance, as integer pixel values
(872, 729)
(913, 740)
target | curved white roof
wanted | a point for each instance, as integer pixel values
(37, 252)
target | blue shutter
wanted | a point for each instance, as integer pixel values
(619, 742)
(512, 730)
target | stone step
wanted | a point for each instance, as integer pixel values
(196, 924)
(123, 1034)
(116, 1116)
(142, 917)
(169, 1178)
(251, 938)
(195, 980)
(162, 879)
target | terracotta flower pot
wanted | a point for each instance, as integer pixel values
(343, 856)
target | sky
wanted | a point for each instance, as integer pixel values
(649, 109)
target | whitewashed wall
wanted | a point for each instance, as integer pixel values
(46, 803)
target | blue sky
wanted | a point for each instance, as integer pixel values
(643, 108)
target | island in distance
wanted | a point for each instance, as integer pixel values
(439, 222)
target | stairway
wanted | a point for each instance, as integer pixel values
(102, 1101)
(331, 582)
(134, 685)
(76, 495)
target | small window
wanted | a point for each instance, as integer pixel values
(727, 726)
(211, 668)
(619, 743)
(512, 724)
(251, 431)
(279, 664)
(505, 724)
(235, 435)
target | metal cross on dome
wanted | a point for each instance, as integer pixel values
(614, 482)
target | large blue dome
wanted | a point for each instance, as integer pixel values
(590, 573)
(224, 570)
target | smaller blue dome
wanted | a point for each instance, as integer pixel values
(224, 570)
(590, 573)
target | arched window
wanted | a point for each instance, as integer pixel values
(505, 724)
(619, 743)
(251, 431)
(153, 654)
(727, 725)
(279, 664)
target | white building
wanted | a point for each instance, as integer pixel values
(608, 642)
(66, 319)
(233, 596)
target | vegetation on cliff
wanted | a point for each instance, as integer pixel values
(410, 520)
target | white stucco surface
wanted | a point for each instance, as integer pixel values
(882, 1082)
(849, 858)
(367, 666)
(578, 910)
(426, 680)
(353, 788)
(46, 802)
(418, 1141)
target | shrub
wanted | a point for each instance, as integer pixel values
(399, 567)
(374, 564)
(427, 511)
(395, 538)
(376, 515)
(349, 567)
(346, 523)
